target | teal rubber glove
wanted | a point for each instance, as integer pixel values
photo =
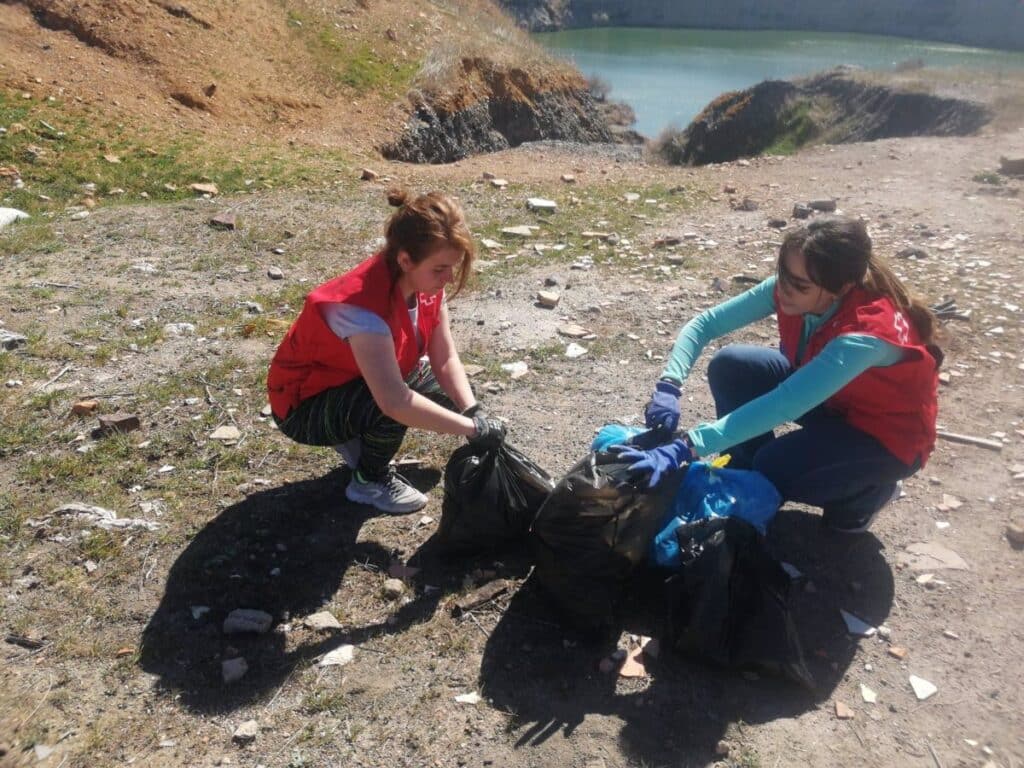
(658, 462)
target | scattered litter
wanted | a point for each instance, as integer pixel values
(102, 518)
(516, 370)
(941, 525)
(339, 657)
(922, 688)
(857, 627)
(794, 572)
(867, 694)
(949, 633)
(468, 698)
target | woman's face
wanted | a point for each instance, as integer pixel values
(798, 295)
(433, 273)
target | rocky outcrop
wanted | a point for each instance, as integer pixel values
(992, 24)
(496, 109)
(835, 107)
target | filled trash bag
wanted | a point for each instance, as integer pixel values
(490, 498)
(729, 601)
(593, 531)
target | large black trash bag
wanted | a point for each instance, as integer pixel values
(592, 533)
(729, 602)
(490, 498)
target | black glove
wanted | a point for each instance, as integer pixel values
(490, 432)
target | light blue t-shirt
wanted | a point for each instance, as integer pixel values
(346, 320)
(839, 362)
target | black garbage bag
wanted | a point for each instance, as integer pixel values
(490, 498)
(729, 601)
(593, 532)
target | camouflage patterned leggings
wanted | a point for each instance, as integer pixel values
(340, 414)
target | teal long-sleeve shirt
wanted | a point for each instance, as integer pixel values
(842, 360)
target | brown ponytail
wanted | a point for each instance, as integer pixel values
(423, 224)
(881, 280)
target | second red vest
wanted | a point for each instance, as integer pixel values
(311, 358)
(897, 404)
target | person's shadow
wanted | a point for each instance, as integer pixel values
(549, 680)
(284, 551)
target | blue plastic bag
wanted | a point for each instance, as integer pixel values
(708, 492)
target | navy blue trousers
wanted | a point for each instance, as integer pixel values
(826, 463)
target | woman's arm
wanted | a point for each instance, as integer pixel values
(446, 365)
(375, 356)
(839, 363)
(748, 307)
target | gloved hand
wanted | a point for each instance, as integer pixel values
(658, 461)
(490, 432)
(662, 410)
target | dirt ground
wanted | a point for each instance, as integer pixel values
(126, 671)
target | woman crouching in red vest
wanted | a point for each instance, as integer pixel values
(372, 353)
(855, 368)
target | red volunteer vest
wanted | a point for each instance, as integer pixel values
(312, 359)
(897, 404)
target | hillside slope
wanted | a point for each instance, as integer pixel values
(336, 73)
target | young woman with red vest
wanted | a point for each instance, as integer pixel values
(372, 353)
(856, 369)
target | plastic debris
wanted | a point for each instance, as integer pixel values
(857, 627)
(923, 689)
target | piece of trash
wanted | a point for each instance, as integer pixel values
(941, 525)
(516, 370)
(468, 698)
(102, 518)
(793, 572)
(923, 689)
(855, 626)
(339, 657)
(867, 694)
(949, 633)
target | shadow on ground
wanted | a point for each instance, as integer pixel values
(549, 681)
(285, 551)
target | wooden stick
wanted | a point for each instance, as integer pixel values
(63, 370)
(935, 757)
(980, 442)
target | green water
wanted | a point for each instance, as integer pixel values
(669, 75)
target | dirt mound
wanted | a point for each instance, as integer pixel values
(334, 73)
(836, 107)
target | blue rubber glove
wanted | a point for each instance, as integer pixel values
(662, 410)
(659, 461)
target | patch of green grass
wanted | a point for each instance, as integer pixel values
(100, 545)
(28, 237)
(325, 700)
(798, 129)
(59, 148)
(352, 64)
(988, 177)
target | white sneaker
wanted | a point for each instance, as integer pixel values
(350, 451)
(392, 494)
